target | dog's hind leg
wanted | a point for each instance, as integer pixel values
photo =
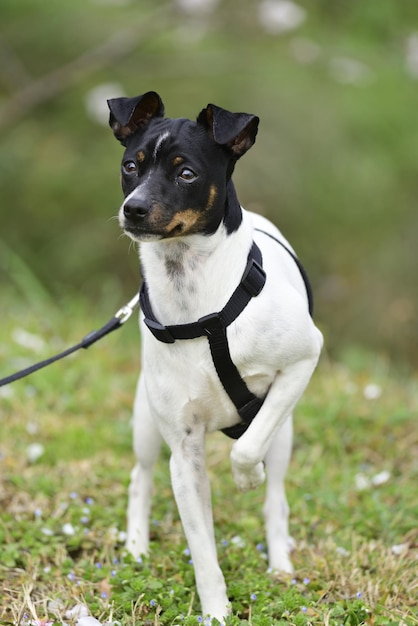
(276, 510)
(147, 443)
(192, 492)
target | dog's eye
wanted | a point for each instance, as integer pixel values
(129, 167)
(187, 175)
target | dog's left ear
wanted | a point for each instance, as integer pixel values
(128, 115)
(236, 131)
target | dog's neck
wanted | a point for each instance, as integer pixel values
(189, 277)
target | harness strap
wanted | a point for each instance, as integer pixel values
(302, 270)
(251, 284)
(246, 403)
(214, 327)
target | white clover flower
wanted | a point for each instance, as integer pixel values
(28, 340)
(34, 451)
(32, 428)
(380, 478)
(88, 620)
(238, 541)
(96, 101)
(280, 16)
(55, 606)
(197, 7)
(400, 549)
(79, 610)
(372, 391)
(7, 392)
(112, 532)
(361, 482)
(68, 529)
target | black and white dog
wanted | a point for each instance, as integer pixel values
(226, 313)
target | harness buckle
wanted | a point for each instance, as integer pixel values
(211, 324)
(159, 331)
(254, 278)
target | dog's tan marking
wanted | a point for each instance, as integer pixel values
(178, 160)
(213, 192)
(140, 156)
(182, 222)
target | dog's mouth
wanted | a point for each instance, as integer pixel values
(141, 234)
(138, 235)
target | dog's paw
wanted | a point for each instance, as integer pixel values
(248, 476)
(281, 563)
(279, 555)
(135, 546)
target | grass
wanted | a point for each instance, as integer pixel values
(63, 513)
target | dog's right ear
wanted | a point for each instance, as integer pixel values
(235, 131)
(127, 115)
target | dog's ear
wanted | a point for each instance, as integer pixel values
(127, 115)
(236, 131)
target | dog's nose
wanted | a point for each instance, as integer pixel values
(135, 211)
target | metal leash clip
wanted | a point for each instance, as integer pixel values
(126, 311)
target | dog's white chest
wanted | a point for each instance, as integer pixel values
(183, 387)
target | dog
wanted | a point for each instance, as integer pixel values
(198, 249)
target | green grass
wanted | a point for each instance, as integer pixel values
(346, 571)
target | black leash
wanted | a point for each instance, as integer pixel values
(117, 321)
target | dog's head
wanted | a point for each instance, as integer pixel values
(175, 172)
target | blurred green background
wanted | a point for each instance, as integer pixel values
(335, 83)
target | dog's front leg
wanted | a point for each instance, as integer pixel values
(249, 451)
(192, 492)
(269, 438)
(147, 442)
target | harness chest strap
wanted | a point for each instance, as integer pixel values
(214, 327)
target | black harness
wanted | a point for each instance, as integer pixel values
(214, 327)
